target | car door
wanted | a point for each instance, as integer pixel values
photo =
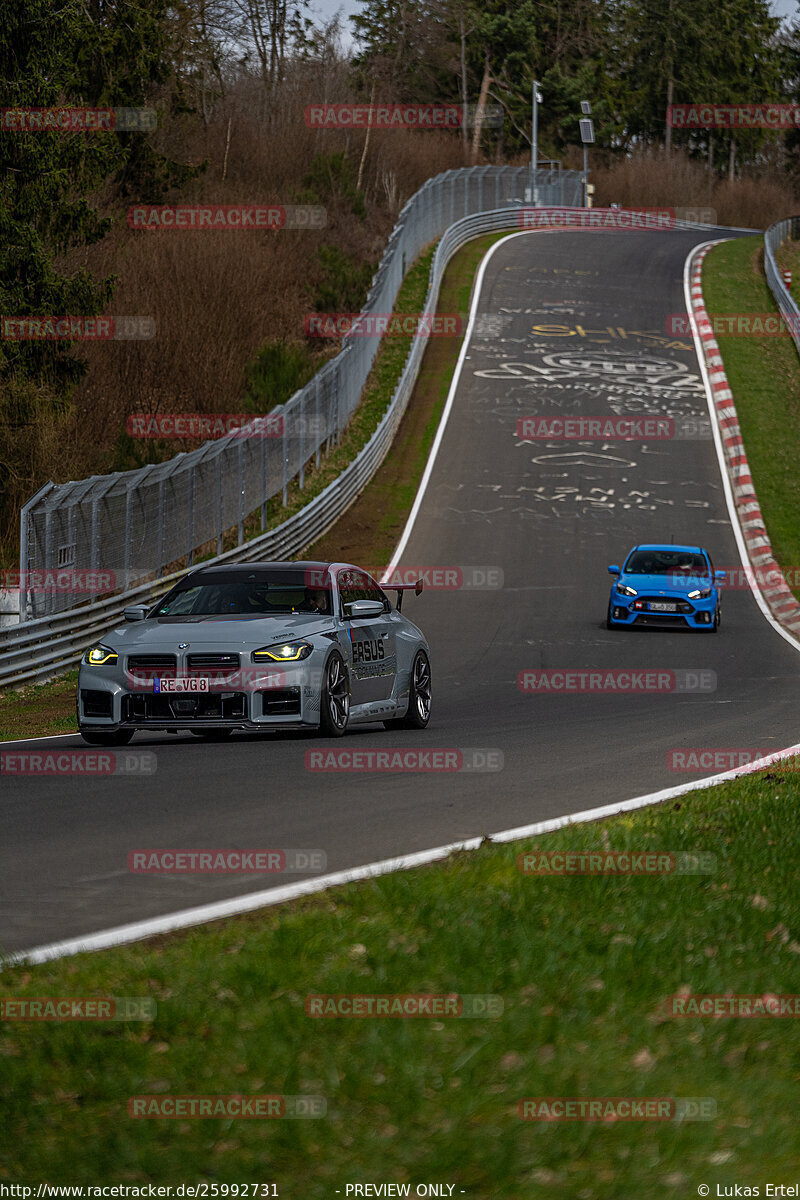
(372, 659)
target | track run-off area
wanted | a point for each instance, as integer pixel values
(564, 324)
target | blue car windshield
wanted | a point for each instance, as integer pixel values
(285, 592)
(666, 562)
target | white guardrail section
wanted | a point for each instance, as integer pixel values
(38, 649)
(775, 236)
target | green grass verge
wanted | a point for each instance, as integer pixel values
(764, 374)
(39, 708)
(583, 966)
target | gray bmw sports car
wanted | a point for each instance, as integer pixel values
(279, 645)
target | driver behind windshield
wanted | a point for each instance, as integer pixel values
(315, 600)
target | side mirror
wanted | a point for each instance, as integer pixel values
(614, 570)
(136, 612)
(719, 576)
(359, 609)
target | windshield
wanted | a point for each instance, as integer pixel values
(666, 562)
(263, 593)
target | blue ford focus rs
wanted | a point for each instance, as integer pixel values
(666, 586)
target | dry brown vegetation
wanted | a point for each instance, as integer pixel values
(676, 181)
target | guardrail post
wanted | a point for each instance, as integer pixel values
(263, 479)
(219, 504)
(24, 546)
(190, 520)
(240, 465)
(302, 442)
(50, 600)
(161, 519)
(95, 551)
(284, 450)
(317, 422)
(128, 535)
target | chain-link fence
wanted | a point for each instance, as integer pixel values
(114, 531)
(774, 238)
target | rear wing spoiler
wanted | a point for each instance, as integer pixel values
(416, 588)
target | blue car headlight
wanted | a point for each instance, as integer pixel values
(283, 652)
(624, 590)
(699, 594)
(100, 656)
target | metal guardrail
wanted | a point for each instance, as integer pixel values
(41, 648)
(774, 238)
(137, 525)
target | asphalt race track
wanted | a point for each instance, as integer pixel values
(551, 516)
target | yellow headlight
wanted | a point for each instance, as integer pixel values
(288, 652)
(98, 656)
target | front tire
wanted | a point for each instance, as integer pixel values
(334, 702)
(116, 737)
(419, 694)
(608, 617)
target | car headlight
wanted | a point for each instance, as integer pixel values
(624, 590)
(100, 656)
(697, 594)
(283, 652)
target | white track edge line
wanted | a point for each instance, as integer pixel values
(451, 395)
(171, 922)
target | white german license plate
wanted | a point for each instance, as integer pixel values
(658, 606)
(195, 684)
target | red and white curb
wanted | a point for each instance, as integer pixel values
(781, 601)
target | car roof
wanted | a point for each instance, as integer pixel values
(244, 569)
